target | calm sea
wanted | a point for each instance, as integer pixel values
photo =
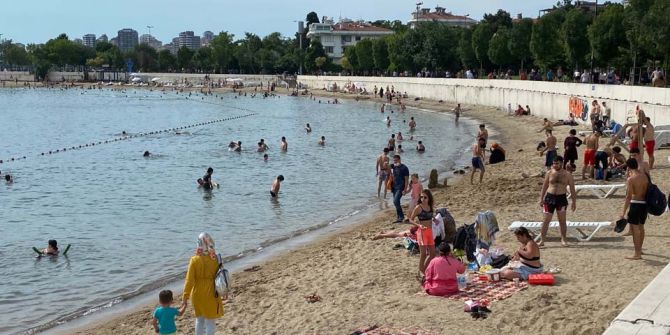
(133, 221)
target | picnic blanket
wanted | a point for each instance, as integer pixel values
(479, 289)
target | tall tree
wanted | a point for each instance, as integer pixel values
(545, 41)
(498, 20)
(380, 53)
(465, 50)
(498, 51)
(314, 51)
(352, 58)
(575, 36)
(658, 30)
(636, 35)
(607, 34)
(166, 61)
(364, 51)
(145, 58)
(481, 36)
(312, 17)
(223, 51)
(185, 59)
(519, 41)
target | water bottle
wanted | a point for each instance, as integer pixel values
(462, 281)
(472, 267)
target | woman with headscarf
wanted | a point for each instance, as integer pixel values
(497, 154)
(199, 286)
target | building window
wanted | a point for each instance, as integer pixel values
(327, 39)
(358, 38)
(346, 38)
(329, 50)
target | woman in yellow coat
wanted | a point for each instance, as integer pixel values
(199, 286)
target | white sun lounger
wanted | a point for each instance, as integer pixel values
(572, 226)
(601, 191)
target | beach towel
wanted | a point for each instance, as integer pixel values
(483, 289)
(449, 223)
(486, 226)
(438, 227)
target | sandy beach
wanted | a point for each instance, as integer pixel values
(363, 282)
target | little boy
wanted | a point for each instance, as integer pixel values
(164, 315)
(274, 191)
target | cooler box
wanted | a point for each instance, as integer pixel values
(541, 279)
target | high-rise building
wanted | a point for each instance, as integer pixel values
(127, 39)
(103, 38)
(207, 38)
(78, 41)
(189, 40)
(89, 40)
(151, 41)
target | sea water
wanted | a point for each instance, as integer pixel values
(133, 221)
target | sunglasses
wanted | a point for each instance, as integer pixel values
(423, 197)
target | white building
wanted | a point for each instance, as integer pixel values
(336, 37)
(441, 15)
(189, 40)
(151, 41)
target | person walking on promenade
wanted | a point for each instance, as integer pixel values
(199, 286)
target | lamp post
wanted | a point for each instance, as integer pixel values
(149, 27)
(465, 20)
(301, 30)
(416, 15)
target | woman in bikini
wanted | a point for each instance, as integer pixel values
(528, 255)
(422, 217)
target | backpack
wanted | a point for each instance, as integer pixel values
(221, 279)
(656, 201)
(449, 223)
(466, 240)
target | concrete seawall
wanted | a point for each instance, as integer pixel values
(546, 99)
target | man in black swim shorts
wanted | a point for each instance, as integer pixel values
(553, 198)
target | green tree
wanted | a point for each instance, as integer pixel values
(145, 58)
(246, 53)
(636, 35)
(545, 41)
(223, 51)
(575, 36)
(185, 59)
(364, 51)
(481, 36)
(657, 29)
(380, 53)
(352, 58)
(499, 52)
(312, 17)
(314, 51)
(203, 59)
(13, 54)
(500, 19)
(465, 51)
(320, 62)
(519, 41)
(166, 61)
(607, 34)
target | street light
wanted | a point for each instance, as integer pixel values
(301, 30)
(418, 7)
(149, 27)
(465, 19)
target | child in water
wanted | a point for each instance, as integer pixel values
(163, 318)
(416, 188)
(52, 249)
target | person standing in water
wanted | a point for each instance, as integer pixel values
(322, 141)
(308, 128)
(284, 145)
(478, 160)
(457, 111)
(383, 170)
(276, 184)
(412, 124)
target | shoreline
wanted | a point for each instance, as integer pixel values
(374, 284)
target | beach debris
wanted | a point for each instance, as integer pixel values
(432, 180)
(252, 269)
(312, 298)
(525, 175)
(446, 180)
(520, 150)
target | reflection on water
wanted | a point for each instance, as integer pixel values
(132, 221)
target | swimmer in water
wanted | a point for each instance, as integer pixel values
(388, 121)
(9, 179)
(284, 145)
(147, 154)
(322, 141)
(274, 191)
(238, 147)
(265, 157)
(420, 147)
(52, 249)
(308, 128)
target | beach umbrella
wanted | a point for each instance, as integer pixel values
(136, 80)
(155, 79)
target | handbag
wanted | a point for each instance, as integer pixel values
(221, 279)
(389, 182)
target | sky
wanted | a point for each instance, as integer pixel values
(37, 21)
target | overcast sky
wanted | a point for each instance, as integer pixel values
(37, 21)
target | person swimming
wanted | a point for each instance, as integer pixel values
(308, 128)
(51, 249)
(147, 154)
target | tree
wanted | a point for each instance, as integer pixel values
(222, 51)
(366, 60)
(166, 61)
(465, 51)
(13, 54)
(481, 36)
(498, 50)
(352, 59)
(656, 28)
(203, 59)
(575, 36)
(607, 34)
(636, 35)
(498, 20)
(380, 53)
(185, 59)
(545, 41)
(519, 40)
(312, 17)
(145, 58)
(314, 51)
(320, 62)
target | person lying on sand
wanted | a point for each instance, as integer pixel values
(411, 233)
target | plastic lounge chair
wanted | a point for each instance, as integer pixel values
(601, 191)
(572, 226)
(662, 137)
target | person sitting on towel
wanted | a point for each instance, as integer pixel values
(440, 279)
(528, 255)
(497, 154)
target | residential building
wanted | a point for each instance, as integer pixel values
(586, 6)
(189, 40)
(336, 37)
(127, 39)
(207, 37)
(441, 15)
(78, 41)
(89, 40)
(151, 41)
(102, 38)
(114, 41)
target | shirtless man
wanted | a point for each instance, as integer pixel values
(591, 142)
(283, 146)
(478, 159)
(383, 169)
(383, 107)
(550, 149)
(636, 191)
(483, 134)
(308, 128)
(632, 133)
(546, 126)
(412, 124)
(553, 198)
(649, 140)
(276, 184)
(391, 143)
(322, 141)
(457, 111)
(388, 121)
(642, 166)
